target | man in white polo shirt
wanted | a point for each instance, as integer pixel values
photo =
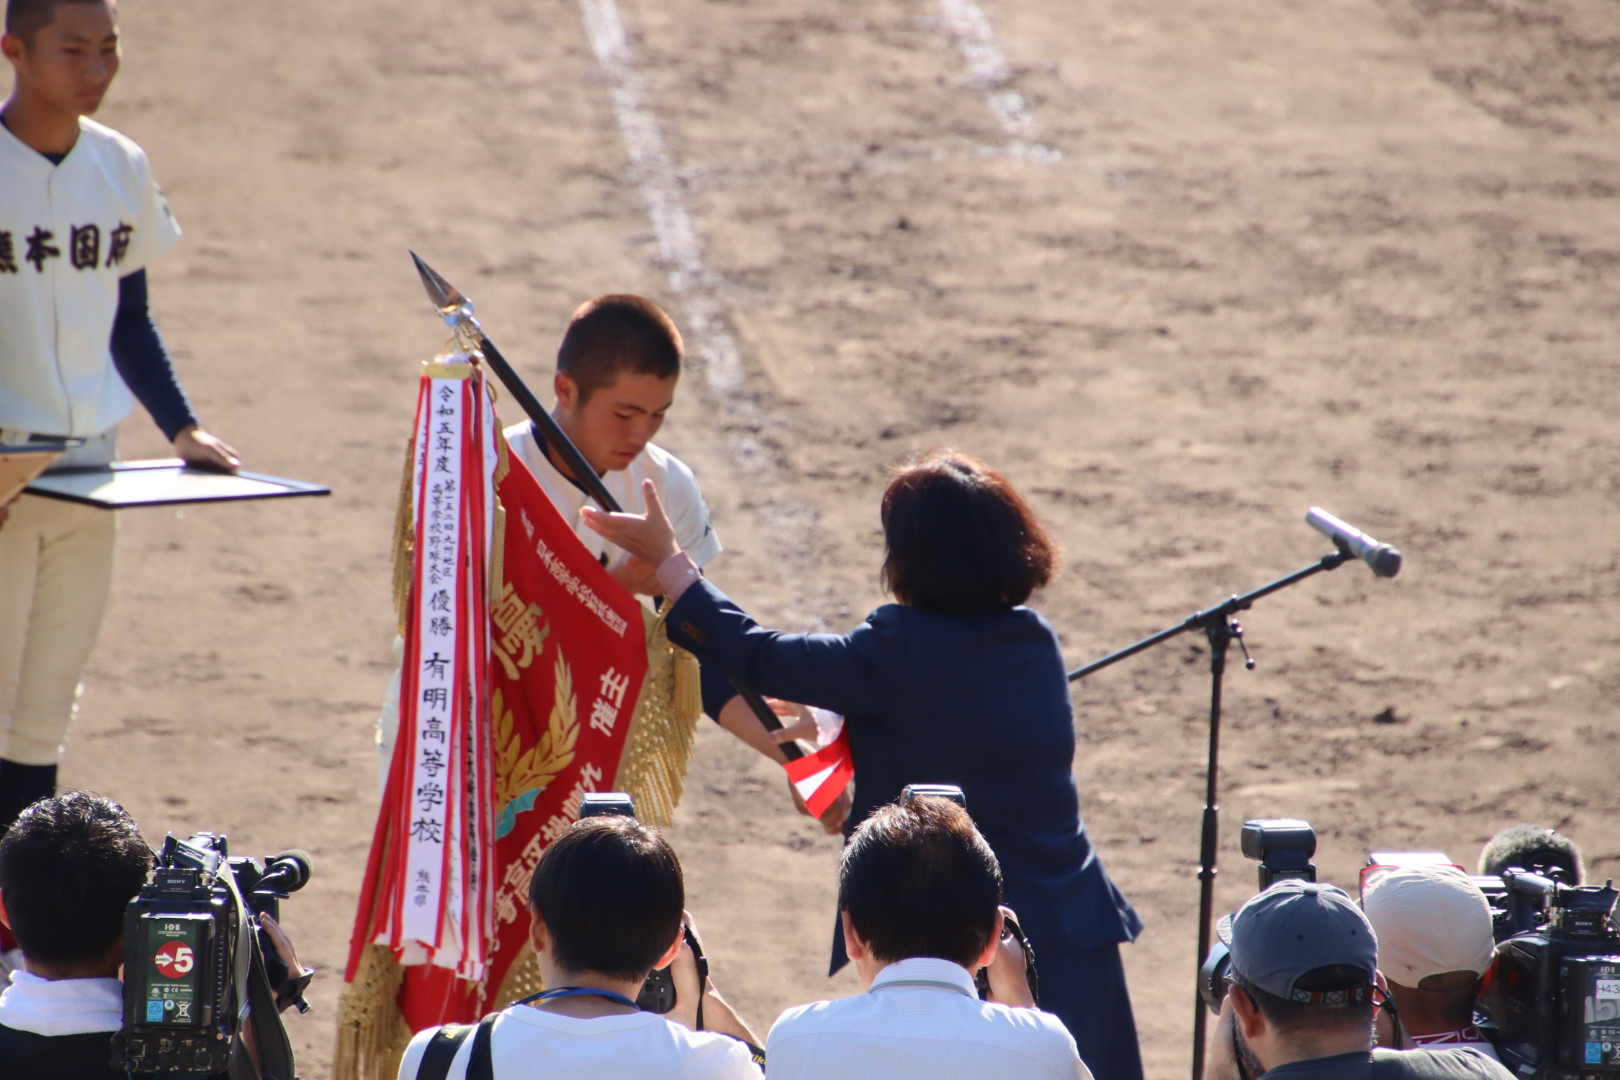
(80, 218)
(919, 893)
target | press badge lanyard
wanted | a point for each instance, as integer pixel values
(578, 991)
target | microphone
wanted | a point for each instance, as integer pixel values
(286, 872)
(1384, 560)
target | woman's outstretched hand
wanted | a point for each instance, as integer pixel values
(647, 536)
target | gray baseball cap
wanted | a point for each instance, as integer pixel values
(1294, 928)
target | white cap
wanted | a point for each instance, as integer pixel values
(1430, 920)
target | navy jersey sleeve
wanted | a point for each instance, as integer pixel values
(834, 671)
(143, 361)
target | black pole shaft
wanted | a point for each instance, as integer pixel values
(555, 436)
(1220, 638)
(1219, 611)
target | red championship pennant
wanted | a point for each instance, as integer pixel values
(548, 709)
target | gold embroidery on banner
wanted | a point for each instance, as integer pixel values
(519, 770)
(522, 631)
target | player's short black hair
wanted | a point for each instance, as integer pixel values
(959, 539)
(611, 895)
(1290, 1016)
(917, 879)
(614, 334)
(25, 18)
(68, 868)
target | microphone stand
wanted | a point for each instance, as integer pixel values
(1221, 630)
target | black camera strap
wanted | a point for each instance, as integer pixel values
(440, 1052)
(263, 1027)
(261, 1049)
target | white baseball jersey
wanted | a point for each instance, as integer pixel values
(677, 487)
(68, 233)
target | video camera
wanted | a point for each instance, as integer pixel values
(658, 991)
(1554, 991)
(198, 968)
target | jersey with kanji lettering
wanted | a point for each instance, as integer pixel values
(68, 234)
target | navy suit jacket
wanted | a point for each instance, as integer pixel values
(981, 701)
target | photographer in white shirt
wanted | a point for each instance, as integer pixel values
(919, 899)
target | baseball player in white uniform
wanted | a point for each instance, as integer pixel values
(617, 370)
(80, 219)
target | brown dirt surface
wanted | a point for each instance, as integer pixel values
(1243, 258)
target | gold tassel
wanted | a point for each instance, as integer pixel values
(497, 557)
(404, 536)
(663, 730)
(688, 683)
(371, 1031)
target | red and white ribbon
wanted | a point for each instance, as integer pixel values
(439, 895)
(822, 776)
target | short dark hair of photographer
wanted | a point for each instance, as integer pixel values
(611, 895)
(1289, 1016)
(68, 869)
(917, 879)
(959, 539)
(617, 334)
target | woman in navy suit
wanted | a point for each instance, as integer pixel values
(958, 683)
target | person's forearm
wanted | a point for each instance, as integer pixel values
(143, 362)
(718, 1015)
(737, 718)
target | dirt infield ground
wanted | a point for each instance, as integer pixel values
(1183, 271)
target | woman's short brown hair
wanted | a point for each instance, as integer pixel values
(959, 539)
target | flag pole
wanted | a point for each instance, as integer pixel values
(457, 311)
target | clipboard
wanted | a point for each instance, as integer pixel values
(164, 482)
(20, 464)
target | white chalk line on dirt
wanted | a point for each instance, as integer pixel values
(988, 68)
(789, 524)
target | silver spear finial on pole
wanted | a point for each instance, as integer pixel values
(454, 308)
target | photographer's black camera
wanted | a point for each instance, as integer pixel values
(193, 959)
(1283, 847)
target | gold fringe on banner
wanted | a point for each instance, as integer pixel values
(371, 1031)
(659, 745)
(404, 536)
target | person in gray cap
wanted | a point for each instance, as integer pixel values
(1303, 991)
